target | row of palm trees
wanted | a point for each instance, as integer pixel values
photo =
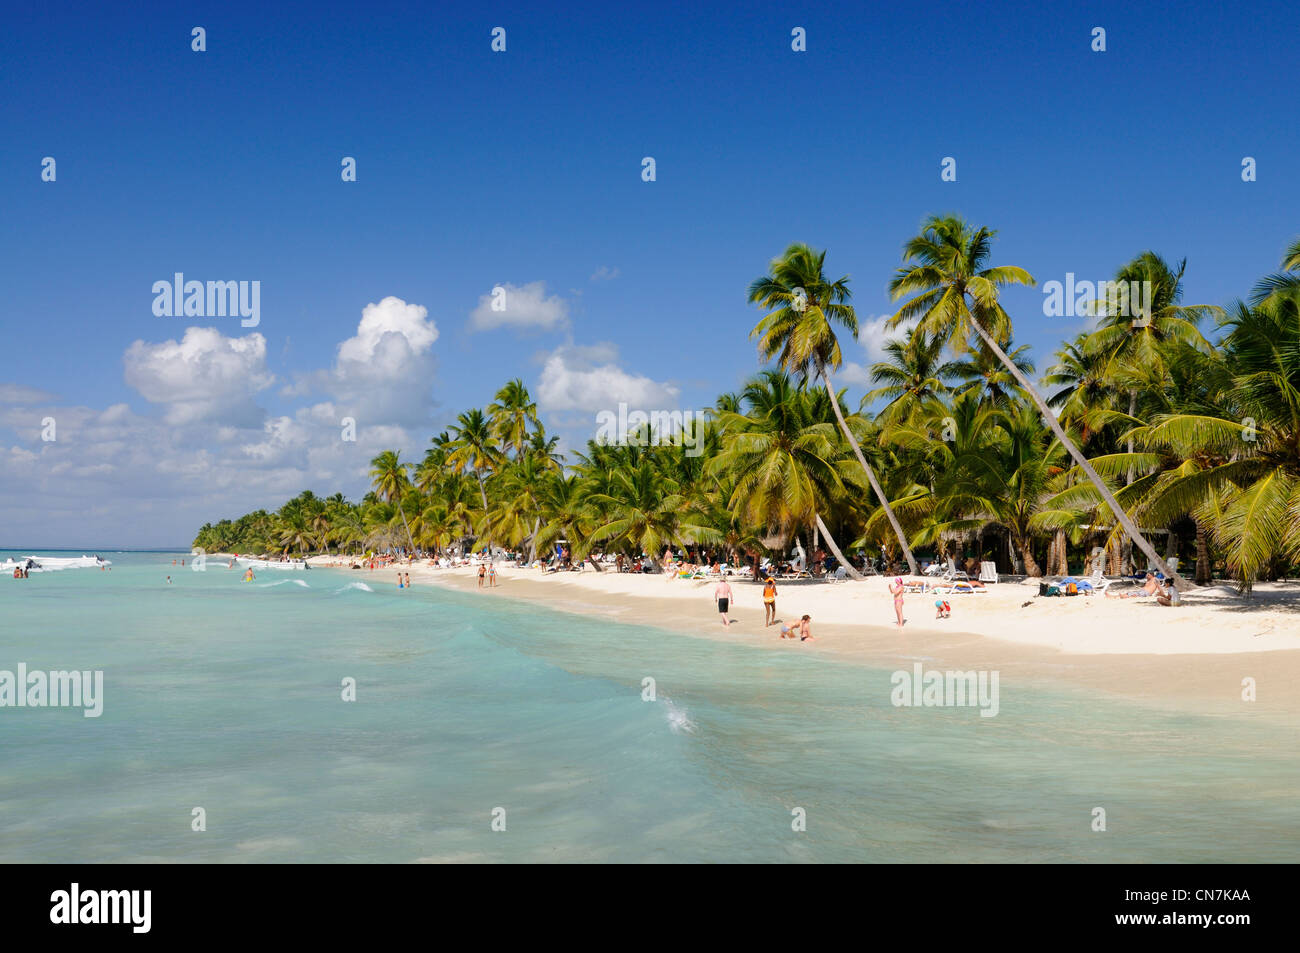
(1145, 427)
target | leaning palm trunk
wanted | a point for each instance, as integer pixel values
(830, 541)
(1125, 521)
(532, 541)
(411, 554)
(487, 524)
(871, 476)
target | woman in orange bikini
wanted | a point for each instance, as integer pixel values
(769, 601)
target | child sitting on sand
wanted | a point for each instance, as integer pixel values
(802, 630)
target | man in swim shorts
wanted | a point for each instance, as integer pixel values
(722, 595)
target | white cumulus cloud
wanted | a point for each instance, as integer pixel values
(521, 306)
(205, 376)
(384, 373)
(589, 378)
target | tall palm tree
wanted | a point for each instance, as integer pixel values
(473, 447)
(510, 415)
(390, 481)
(911, 373)
(1085, 395)
(955, 293)
(984, 374)
(1135, 345)
(781, 458)
(1240, 466)
(804, 307)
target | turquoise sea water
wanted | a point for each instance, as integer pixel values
(227, 696)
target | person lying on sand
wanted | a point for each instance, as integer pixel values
(1149, 588)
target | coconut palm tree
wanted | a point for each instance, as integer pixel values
(911, 373)
(510, 415)
(641, 511)
(1135, 344)
(983, 373)
(1240, 466)
(955, 294)
(474, 448)
(390, 481)
(781, 459)
(1085, 396)
(804, 308)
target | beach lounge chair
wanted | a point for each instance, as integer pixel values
(1096, 582)
(958, 587)
(953, 574)
(988, 572)
(839, 575)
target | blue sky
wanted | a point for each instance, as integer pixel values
(477, 169)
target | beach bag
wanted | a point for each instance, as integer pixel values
(1042, 588)
(1071, 590)
(1052, 591)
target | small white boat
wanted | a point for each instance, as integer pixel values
(52, 563)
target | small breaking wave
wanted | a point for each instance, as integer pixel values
(678, 721)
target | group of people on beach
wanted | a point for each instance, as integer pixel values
(1166, 592)
(487, 574)
(723, 596)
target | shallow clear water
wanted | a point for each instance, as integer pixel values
(227, 696)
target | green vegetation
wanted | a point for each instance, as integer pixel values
(1176, 435)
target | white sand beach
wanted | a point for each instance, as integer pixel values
(1202, 648)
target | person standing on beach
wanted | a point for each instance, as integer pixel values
(408, 580)
(769, 601)
(722, 595)
(896, 587)
(482, 572)
(492, 576)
